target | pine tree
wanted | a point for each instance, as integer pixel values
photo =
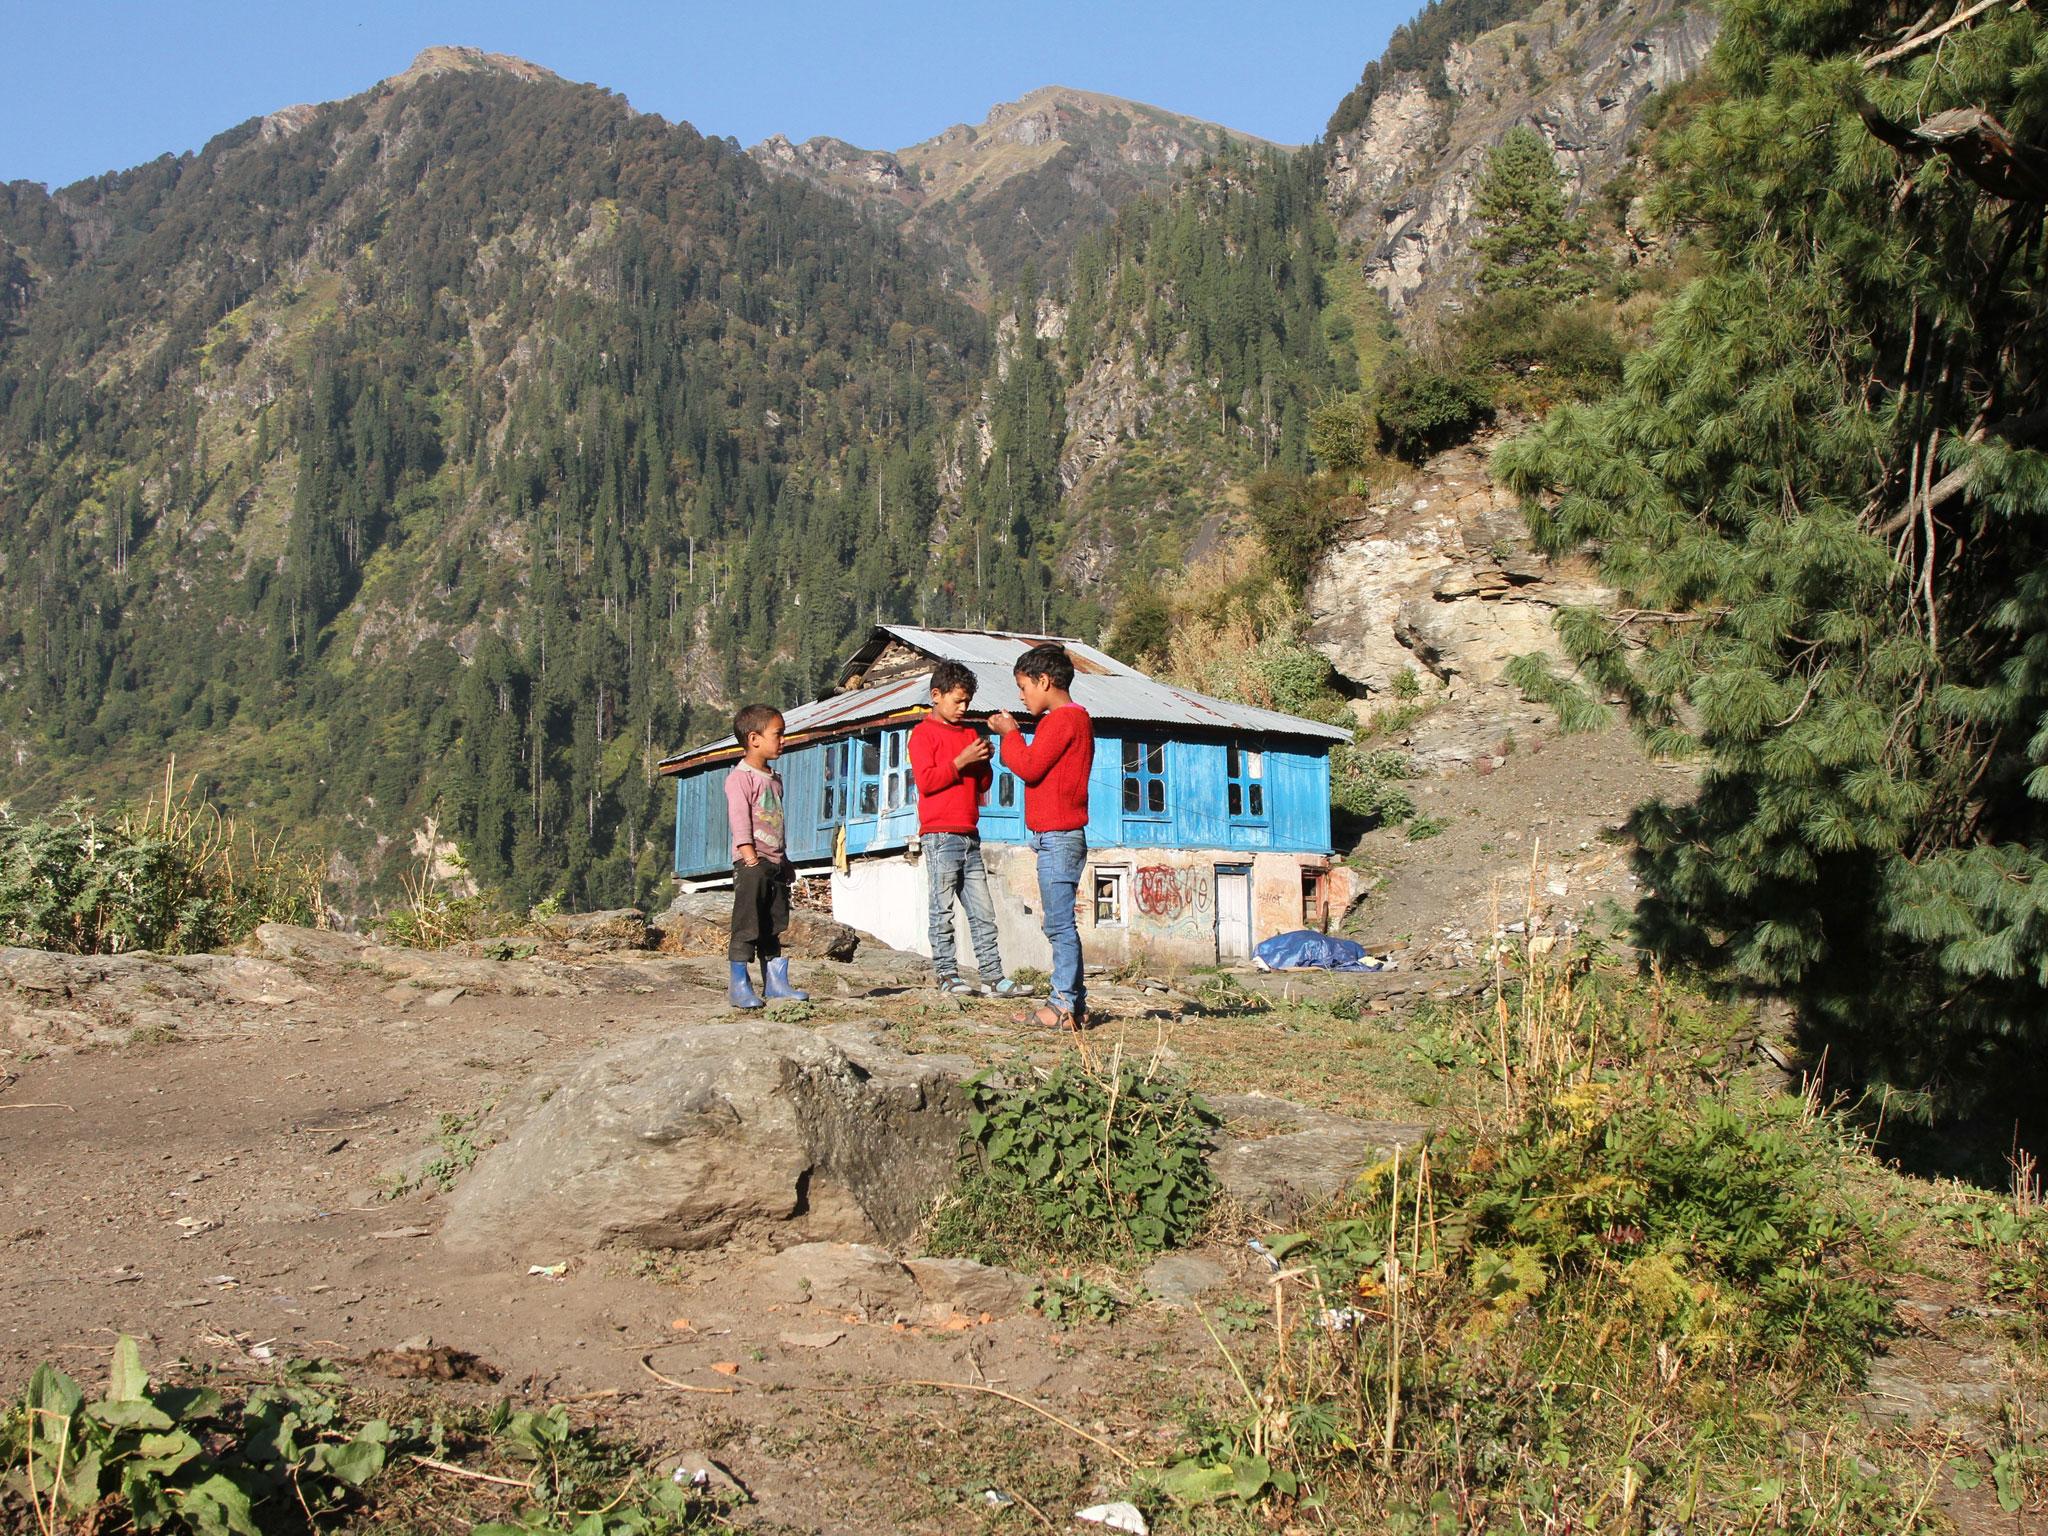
(1822, 491)
(1530, 244)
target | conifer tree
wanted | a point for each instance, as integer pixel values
(1822, 492)
(1530, 244)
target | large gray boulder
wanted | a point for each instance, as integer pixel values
(751, 1131)
(700, 922)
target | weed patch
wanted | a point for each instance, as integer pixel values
(1092, 1162)
(174, 877)
(1068, 1297)
(292, 1456)
(1620, 1299)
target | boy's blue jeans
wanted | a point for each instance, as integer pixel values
(1061, 858)
(953, 866)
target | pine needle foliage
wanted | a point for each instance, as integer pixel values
(1530, 243)
(1821, 491)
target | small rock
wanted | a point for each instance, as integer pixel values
(1179, 1278)
(961, 1285)
(848, 1277)
(696, 1470)
(823, 1340)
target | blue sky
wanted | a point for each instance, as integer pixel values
(97, 85)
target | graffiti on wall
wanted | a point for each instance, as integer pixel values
(1173, 898)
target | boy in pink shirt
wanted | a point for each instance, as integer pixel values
(761, 871)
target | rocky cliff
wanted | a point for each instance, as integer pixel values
(1434, 576)
(1581, 72)
(1020, 188)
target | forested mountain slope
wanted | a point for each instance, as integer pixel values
(449, 447)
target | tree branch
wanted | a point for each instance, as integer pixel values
(1922, 39)
(1980, 146)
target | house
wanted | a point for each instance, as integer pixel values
(1208, 829)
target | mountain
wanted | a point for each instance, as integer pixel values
(437, 458)
(1019, 189)
(1407, 146)
(447, 452)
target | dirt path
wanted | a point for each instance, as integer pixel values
(221, 1198)
(1548, 821)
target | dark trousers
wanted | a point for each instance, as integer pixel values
(760, 909)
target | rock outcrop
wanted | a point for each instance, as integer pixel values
(1286, 1157)
(1402, 183)
(700, 923)
(748, 1131)
(51, 1001)
(1436, 577)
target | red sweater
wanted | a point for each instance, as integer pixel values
(1054, 766)
(948, 799)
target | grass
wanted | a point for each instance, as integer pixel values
(1542, 1322)
(175, 875)
(1562, 1316)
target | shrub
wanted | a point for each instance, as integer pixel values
(1581, 349)
(1340, 436)
(176, 877)
(432, 917)
(1098, 1163)
(1425, 408)
(1627, 1239)
(1296, 522)
(1368, 785)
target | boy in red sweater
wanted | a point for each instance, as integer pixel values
(950, 760)
(1054, 766)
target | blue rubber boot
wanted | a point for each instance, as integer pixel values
(741, 994)
(776, 974)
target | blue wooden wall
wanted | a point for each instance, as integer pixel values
(874, 797)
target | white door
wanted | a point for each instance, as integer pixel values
(1233, 914)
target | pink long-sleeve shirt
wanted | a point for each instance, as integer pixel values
(753, 808)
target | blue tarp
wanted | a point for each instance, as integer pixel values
(1305, 949)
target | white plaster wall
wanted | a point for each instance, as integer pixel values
(890, 898)
(1170, 909)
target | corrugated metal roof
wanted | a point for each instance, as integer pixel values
(1104, 686)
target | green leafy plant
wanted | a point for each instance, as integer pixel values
(1371, 784)
(1067, 1297)
(290, 1457)
(175, 876)
(181, 1460)
(1425, 408)
(1107, 1162)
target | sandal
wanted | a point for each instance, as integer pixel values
(1049, 1016)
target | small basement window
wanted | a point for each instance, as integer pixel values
(1112, 890)
(1315, 899)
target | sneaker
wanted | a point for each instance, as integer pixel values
(1009, 988)
(959, 987)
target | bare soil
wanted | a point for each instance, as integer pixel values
(223, 1187)
(221, 1194)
